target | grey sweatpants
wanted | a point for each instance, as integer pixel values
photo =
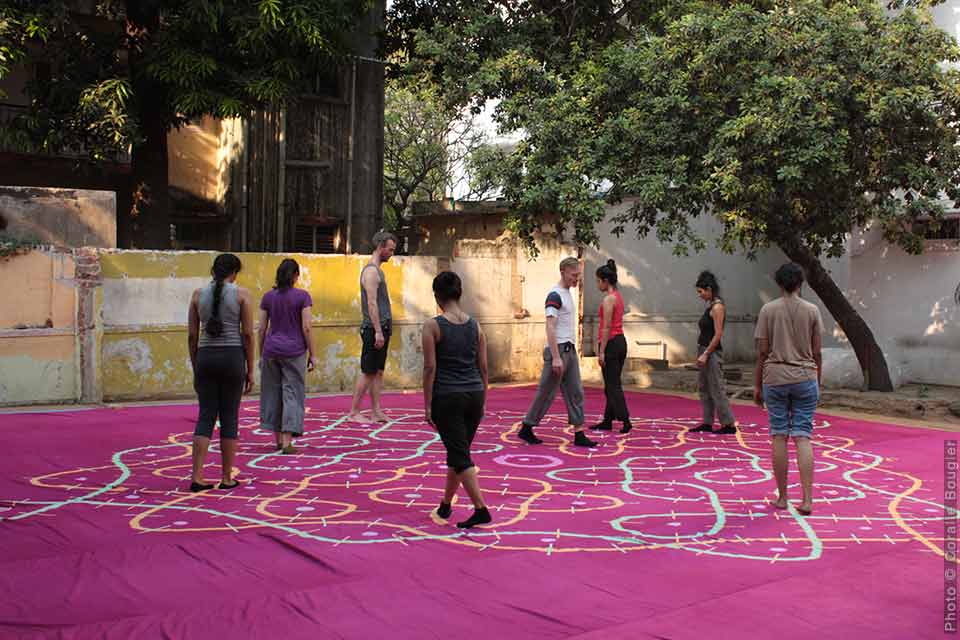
(282, 393)
(570, 386)
(713, 391)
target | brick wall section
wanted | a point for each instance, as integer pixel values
(88, 279)
(87, 267)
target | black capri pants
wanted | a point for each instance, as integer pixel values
(457, 416)
(614, 357)
(219, 379)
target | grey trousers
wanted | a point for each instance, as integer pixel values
(282, 393)
(570, 386)
(713, 391)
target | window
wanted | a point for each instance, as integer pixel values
(949, 229)
(942, 237)
(316, 238)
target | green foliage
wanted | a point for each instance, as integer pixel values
(11, 246)
(428, 143)
(789, 122)
(201, 57)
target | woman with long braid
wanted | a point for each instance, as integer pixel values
(220, 340)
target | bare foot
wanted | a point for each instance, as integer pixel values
(380, 416)
(356, 416)
(781, 503)
(804, 508)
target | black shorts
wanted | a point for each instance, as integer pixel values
(457, 416)
(373, 360)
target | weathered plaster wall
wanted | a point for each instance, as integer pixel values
(37, 329)
(146, 296)
(119, 318)
(59, 217)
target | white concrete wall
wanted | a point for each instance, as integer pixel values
(909, 303)
(661, 301)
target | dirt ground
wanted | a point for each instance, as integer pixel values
(925, 405)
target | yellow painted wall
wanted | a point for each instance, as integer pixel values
(146, 296)
(135, 344)
(37, 333)
(43, 284)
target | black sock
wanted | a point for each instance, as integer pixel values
(526, 433)
(444, 510)
(480, 516)
(626, 426)
(581, 440)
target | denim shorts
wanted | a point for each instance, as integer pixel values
(791, 407)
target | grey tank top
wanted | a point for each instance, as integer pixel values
(457, 369)
(229, 316)
(383, 300)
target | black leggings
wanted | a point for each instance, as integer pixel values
(613, 358)
(219, 379)
(457, 416)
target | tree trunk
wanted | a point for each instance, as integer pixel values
(872, 363)
(148, 219)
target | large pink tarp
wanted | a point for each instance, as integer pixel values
(658, 534)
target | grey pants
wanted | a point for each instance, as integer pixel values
(570, 387)
(282, 393)
(713, 392)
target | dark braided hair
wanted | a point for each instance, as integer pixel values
(608, 272)
(286, 273)
(225, 265)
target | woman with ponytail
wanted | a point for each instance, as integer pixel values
(220, 340)
(286, 354)
(713, 394)
(612, 349)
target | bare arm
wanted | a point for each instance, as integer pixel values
(264, 321)
(306, 325)
(482, 365)
(482, 356)
(193, 329)
(246, 334)
(608, 304)
(552, 337)
(557, 364)
(429, 342)
(816, 342)
(370, 282)
(763, 350)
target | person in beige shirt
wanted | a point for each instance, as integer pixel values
(787, 378)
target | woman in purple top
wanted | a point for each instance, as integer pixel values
(286, 354)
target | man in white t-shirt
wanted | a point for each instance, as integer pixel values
(560, 365)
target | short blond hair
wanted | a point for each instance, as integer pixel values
(566, 263)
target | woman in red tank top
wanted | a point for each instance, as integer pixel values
(612, 349)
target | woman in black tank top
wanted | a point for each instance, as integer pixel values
(454, 391)
(713, 393)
